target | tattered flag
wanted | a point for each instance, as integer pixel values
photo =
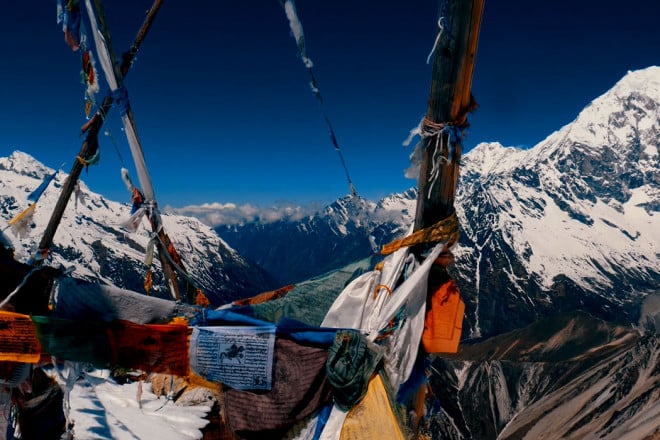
(34, 195)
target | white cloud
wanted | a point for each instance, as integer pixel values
(216, 214)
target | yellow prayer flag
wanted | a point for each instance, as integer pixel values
(373, 417)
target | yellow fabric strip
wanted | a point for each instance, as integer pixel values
(373, 417)
(446, 230)
(23, 214)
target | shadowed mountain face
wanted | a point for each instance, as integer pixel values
(349, 229)
(571, 224)
(569, 376)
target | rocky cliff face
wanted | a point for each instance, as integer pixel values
(570, 376)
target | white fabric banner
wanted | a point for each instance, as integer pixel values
(238, 356)
(392, 317)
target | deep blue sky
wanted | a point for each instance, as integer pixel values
(223, 106)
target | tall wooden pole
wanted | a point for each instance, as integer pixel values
(163, 244)
(91, 143)
(449, 102)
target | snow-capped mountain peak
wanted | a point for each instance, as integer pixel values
(93, 239)
(627, 113)
(25, 165)
(571, 223)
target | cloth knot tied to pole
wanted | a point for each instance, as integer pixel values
(120, 96)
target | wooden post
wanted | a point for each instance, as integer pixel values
(449, 102)
(171, 279)
(91, 143)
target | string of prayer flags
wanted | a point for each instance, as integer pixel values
(159, 348)
(68, 14)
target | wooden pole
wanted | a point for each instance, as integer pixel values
(449, 102)
(164, 242)
(91, 143)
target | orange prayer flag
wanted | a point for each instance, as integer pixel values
(158, 348)
(444, 320)
(18, 338)
(265, 296)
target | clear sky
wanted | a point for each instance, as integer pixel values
(223, 106)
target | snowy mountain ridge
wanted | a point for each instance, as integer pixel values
(348, 229)
(579, 211)
(571, 223)
(92, 237)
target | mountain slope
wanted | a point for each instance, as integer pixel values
(571, 224)
(347, 230)
(570, 376)
(91, 238)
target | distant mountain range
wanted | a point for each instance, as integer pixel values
(571, 224)
(92, 239)
(349, 229)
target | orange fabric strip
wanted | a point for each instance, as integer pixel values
(445, 230)
(18, 338)
(444, 320)
(265, 296)
(158, 348)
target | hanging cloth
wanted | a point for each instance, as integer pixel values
(444, 320)
(300, 389)
(373, 417)
(393, 320)
(352, 361)
(36, 194)
(20, 225)
(297, 31)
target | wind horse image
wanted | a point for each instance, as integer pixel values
(341, 357)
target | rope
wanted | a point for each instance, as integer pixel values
(441, 28)
(381, 286)
(446, 230)
(114, 143)
(297, 31)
